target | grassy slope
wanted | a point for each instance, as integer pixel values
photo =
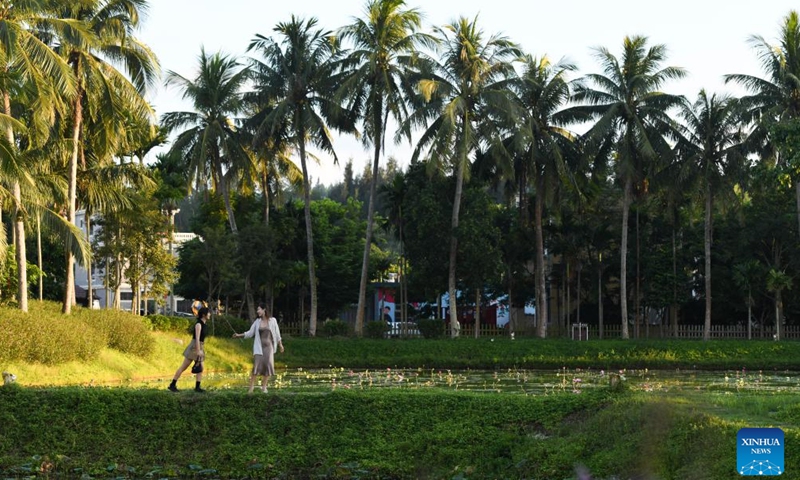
(225, 355)
(113, 367)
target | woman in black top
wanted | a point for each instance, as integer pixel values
(193, 352)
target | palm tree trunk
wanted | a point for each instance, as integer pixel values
(39, 255)
(106, 283)
(778, 314)
(89, 288)
(265, 187)
(578, 267)
(362, 287)
(226, 198)
(673, 311)
(451, 275)
(267, 195)
(19, 223)
(77, 119)
(637, 314)
(563, 312)
(541, 294)
(477, 311)
(144, 298)
(118, 277)
(749, 313)
(708, 233)
(248, 292)
(21, 256)
(403, 281)
(623, 258)
(797, 200)
(312, 276)
(600, 300)
(567, 298)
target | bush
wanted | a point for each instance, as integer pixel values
(46, 336)
(122, 331)
(375, 329)
(164, 323)
(334, 328)
(431, 328)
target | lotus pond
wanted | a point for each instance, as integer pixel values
(512, 381)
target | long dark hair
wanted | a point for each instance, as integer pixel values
(263, 306)
(202, 313)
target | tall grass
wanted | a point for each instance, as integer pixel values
(45, 336)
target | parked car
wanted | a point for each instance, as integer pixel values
(402, 329)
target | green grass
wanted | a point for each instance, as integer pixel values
(108, 433)
(52, 426)
(503, 353)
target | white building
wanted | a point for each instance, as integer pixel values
(104, 297)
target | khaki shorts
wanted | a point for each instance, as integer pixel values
(191, 350)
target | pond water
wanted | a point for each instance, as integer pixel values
(514, 381)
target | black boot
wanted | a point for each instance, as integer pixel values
(172, 387)
(197, 388)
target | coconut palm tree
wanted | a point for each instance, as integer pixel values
(385, 41)
(628, 106)
(777, 282)
(776, 99)
(460, 90)
(208, 136)
(272, 166)
(43, 159)
(542, 143)
(29, 65)
(710, 141)
(271, 170)
(103, 91)
(745, 276)
(299, 71)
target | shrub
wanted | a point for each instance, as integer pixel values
(164, 323)
(375, 329)
(334, 328)
(431, 328)
(122, 331)
(46, 336)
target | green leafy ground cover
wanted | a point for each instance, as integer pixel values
(53, 426)
(139, 433)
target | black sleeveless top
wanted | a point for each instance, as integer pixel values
(203, 328)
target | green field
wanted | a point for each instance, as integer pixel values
(109, 416)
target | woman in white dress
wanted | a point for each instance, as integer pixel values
(266, 344)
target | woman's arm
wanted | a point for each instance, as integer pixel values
(276, 332)
(197, 330)
(248, 333)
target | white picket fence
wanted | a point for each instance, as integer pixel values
(695, 332)
(687, 332)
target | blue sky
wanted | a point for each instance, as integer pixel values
(706, 37)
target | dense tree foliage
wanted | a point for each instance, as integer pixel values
(624, 224)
